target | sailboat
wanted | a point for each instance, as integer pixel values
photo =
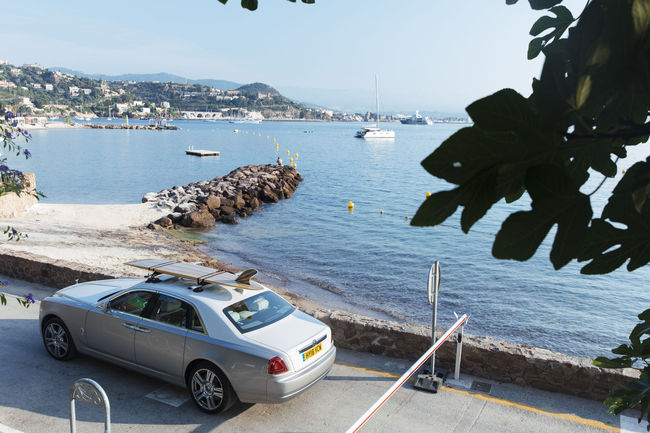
(375, 131)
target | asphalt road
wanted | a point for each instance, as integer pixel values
(34, 392)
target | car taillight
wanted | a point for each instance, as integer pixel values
(276, 366)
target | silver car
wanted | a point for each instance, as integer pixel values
(223, 342)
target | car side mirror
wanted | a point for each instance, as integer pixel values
(103, 306)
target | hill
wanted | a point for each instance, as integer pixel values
(31, 90)
(161, 77)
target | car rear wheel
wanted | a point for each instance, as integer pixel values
(57, 339)
(210, 389)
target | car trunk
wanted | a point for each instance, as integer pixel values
(299, 336)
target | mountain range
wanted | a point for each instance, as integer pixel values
(162, 77)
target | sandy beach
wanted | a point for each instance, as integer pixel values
(104, 237)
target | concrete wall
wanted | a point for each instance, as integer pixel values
(482, 356)
(12, 205)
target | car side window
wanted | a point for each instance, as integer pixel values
(171, 311)
(195, 321)
(132, 302)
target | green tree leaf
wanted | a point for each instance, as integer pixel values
(543, 4)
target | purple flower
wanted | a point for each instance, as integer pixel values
(30, 298)
(27, 153)
(4, 168)
(9, 115)
(25, 235)
(14, 231)
(8, 134)
(5, 283)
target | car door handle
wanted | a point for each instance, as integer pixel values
(145, 330)
(128, 325)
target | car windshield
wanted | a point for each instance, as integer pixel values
(258, 311)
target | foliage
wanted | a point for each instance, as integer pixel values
(13, 181)
(590, 103)
(251, 5)
(634, 355)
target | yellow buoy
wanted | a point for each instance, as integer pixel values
(259, 135)
(381, 212)
(288, 152)
(267, 137)
(623, 171)
(296, 155)
(350, 205)
(274, 140)
(290, 159)
(428, 194)
(406, 217)
(235, 130)
(294, 165)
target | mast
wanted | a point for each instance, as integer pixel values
(377, 99)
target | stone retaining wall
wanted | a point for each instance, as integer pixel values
(12, 205)
(482, 356)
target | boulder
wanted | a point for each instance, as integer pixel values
(213, 202)
(150, 196)
(198, 220)
(239, 202)
(229, 219)
(254, 203)
(227, 210)
(164, 222)
(185, 207)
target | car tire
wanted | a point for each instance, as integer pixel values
(58, 340)
(209, 388)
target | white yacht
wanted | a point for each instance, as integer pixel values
(375, 131)
(417, 119)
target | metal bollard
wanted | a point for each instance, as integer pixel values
(90, 392)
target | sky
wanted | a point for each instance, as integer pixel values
(431, 55)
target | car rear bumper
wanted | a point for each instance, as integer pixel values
(282, 388)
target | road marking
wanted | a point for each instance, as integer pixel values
(564, 416)
(171, 395)
(630, 424)
(5, 429)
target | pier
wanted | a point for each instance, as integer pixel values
(202, 152)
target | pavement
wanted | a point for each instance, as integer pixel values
(34, 396)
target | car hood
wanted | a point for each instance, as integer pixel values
(92, 291)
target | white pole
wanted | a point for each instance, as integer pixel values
(459, 350)
(370, 412)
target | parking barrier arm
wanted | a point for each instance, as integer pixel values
(370, 412)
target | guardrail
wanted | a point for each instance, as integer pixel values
(373, 409)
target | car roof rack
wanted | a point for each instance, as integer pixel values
(202, 274)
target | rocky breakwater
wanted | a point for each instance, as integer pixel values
(238, 194)
(157, 127)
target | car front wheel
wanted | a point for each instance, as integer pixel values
(210, 389)
(57, 340)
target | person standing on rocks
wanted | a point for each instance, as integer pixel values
(279, 161)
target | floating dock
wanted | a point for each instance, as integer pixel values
(202, 152)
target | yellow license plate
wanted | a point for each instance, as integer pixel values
(313, 351)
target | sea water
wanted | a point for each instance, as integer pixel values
(371, 259)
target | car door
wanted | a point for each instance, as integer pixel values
(112, 332)
(161, 344)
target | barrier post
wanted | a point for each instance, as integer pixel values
(459, 350)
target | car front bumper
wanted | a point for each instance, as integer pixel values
(282, 388)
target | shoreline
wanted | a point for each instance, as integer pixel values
(70, 242)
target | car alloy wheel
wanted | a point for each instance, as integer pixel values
(210, 389)
(57, 340)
